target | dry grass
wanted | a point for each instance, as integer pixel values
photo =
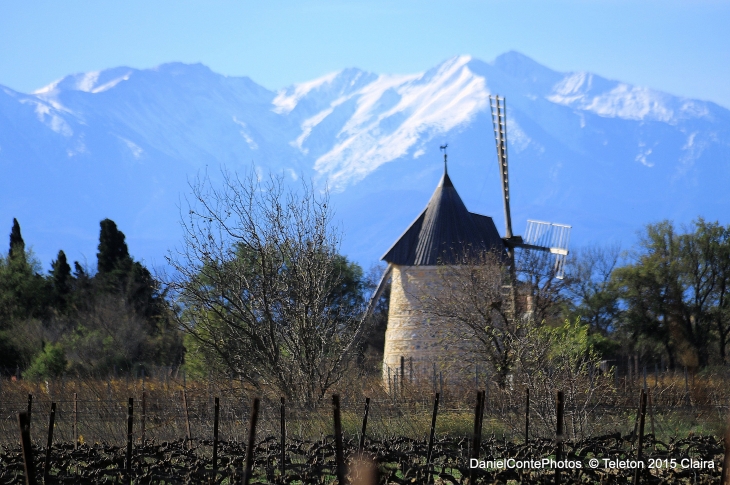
(701, 407)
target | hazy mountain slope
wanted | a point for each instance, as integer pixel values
(602, 155)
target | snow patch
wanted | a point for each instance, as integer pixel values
(108, 85)
(49, 88)
(246, 136)
(430, 104)
(585, 91)
(48, 116)
(308, 125)
(286, 100)
(518, 139)
(693, 148)
(87, 81)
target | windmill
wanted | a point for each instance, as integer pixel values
(539, 235)
(444, 234)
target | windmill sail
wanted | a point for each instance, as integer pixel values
(499, 122)
(540, 236)
(548, 236)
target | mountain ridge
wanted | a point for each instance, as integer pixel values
(122, 143)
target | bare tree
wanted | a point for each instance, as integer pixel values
(473, 299)
(561, 357)
(258, 283)
(489, 308)
(542, 293)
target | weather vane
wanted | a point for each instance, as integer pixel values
(443, 149)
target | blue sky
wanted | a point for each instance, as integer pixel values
(682, 47)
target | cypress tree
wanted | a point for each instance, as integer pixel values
(61, 280)
(23, 292)
(112, 248)
(17, 245)
(61, 272)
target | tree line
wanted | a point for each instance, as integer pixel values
(79, 321)
(665, 300)
(258, 291)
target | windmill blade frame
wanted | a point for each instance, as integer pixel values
(540, 235)
(499, 124)
(550, 237)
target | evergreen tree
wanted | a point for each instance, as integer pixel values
(17, 245)
(113, 250)
(23, 291)
(118, 273)
(61, 281)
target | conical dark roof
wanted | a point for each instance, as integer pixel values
(444, 231)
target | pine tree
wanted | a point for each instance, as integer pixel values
(17, 245)
(112, 248)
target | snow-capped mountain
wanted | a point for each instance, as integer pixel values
(602, 155)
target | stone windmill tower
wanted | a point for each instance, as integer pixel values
(440, 235)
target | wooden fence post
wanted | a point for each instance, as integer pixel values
(636, 420)
(640, 450)
(188, 436)
(30, 408)
(364, 424)
(215, 439)
(28, 465)
(49, 443)
(251, 442)
(433, 433)
(130, 434)
(339, 454)
(651, 418)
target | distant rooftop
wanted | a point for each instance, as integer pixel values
(444, 231)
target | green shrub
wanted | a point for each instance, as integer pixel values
(49, 363)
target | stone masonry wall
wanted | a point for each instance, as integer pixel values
(415, 335)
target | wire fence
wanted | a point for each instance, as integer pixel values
(165, 409)
(163, 430)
